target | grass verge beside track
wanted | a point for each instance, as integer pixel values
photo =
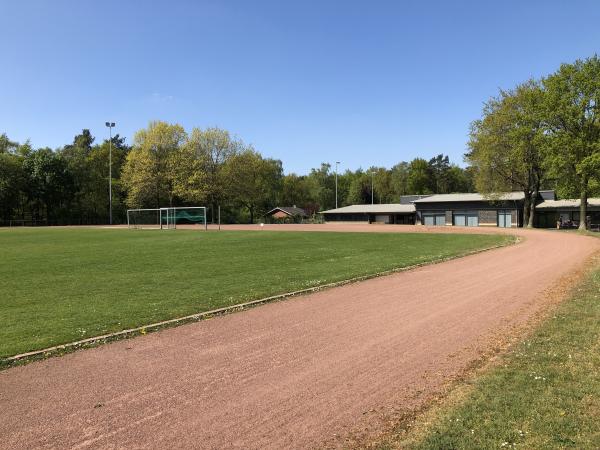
(545, 395)
(67, 284)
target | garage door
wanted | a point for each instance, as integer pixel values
(466, 219)
(434, 219)
(380, 218)
(504, 219)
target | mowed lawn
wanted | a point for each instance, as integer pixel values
(64, 284)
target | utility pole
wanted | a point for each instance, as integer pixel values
(336, 189)
(110, 126)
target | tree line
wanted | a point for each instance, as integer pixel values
(541, 134)
(167, 166)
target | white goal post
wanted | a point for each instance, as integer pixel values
(173, 215)
(166, 218)
(139, 218)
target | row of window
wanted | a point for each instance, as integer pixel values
(464, 218)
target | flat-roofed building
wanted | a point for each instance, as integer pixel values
(551, 212)
(390, 213)
(504, 209)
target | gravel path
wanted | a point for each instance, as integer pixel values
(293, 374)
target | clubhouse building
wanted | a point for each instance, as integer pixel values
(467, 210)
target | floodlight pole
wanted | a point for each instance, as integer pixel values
(110, 126)
(372, 176)
(336, 189)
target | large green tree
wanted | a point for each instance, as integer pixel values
(419, 177)
(211, 148)
(12, 178)
(253, 181)
(383, 185)
(446, 177)
(12, 183)
(188, 166)
(399, 175)
(360, 188)
(572, 116)
(49, 185)
(294, 191)
(321, 182)
(149, 174)
(6, 145)
(507, 145)
(88, 164)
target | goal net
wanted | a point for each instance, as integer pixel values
(144, 218)
(182, 215)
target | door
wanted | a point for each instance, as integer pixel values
(466, 219)
(460, 220)
(429, 219)
(472, 220)
(434, 219)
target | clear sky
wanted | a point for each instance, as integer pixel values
(365, 83)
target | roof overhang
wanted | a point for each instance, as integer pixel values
(567, 204)
(472, 197)
(387, 208)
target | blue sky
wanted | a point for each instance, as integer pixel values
(364, 83)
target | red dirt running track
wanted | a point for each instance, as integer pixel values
(304, 372)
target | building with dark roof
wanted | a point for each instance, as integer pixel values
(503, 209)
(287, 212)
(551, 211)
(395, 213)
(471, 210)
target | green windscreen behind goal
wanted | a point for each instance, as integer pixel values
(193, 215)
(166, 218)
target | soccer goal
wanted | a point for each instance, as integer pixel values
(144, 218)
(182, 215)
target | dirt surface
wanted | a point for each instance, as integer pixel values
(306, 372)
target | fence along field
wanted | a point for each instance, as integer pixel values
(65, 284)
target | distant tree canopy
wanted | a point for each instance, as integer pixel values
(541, 134)
(64, 186)
(168, 166)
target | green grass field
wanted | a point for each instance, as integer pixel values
(546, 395)
(64, 284)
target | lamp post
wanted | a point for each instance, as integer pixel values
(110, 126)
(372, 176)
(336, 190)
